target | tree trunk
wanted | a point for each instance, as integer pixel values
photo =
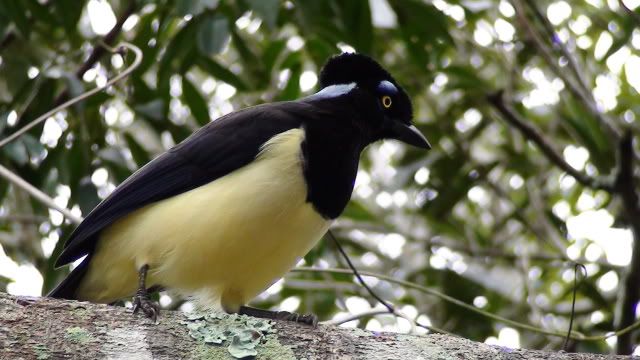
(42, 328)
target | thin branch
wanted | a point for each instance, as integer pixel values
(37, 194)
(352, 317)
(7, 40)
(391, 309)
(630, 294)
(630, 12)
(508, 256)
(21, 183)
(557, 43)
(442, 296)
(108, 39)
(407, 284)
(585, 97)
(582, 269)
(83, 96)
(23, 218)
(530, 132)
(99, 50)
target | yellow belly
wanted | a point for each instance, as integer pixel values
(227, 240)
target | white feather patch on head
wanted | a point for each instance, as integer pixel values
(333, 91)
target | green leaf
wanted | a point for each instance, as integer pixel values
(68, 11)
(4, 24)
(267, 10)
(153, 109)
(250, 61)
(197, 104)
(17, 151)
(140, 155)
(34, 146)
(194, 7)
(464, 78)
(358, 212)
(87, 195)
(221, 73)
(271, 54)
(319, 50)
(178, 48)
(17, 13)
(591, 134)
(424, 29)
(40, 12)
(356, 17)
(4, 186)
(213, 34)
(292, 89)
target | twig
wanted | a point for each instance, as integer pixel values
(20, 218)
(83, 96)
(18, 181)
(8, 39)
(39, 195)
(352, 317)
(557, 43)
(99, 49)
(108, 39)
(573, 301)
(530, 132)
(633, 14)
(625, 184)
(407, 284)
(438, 294)
(391, 309)
(508, 256)
(585, 97)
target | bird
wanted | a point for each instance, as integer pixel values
(227, 212)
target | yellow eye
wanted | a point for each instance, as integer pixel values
(386, 101)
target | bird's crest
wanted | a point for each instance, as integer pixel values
(352, 67)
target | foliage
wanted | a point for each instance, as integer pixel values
(484, 217)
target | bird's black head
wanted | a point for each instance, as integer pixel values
(385, 107)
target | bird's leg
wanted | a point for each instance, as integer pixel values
(141, 300)
(308, 319)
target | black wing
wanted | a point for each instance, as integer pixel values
(215, 150)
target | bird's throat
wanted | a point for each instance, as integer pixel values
(330, 167)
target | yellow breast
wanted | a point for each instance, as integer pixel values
(228, 240)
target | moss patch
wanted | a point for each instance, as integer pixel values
(78, 335)
(273, 349)
(240, 336)
(41, 351)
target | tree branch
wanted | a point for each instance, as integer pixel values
(50, 328)
(83, 96)
(630, 12)
(530, 132)
(630, 295)
(37, 194)
(21, 183)
(574, 86)
(98, 50)
(492, 253)
(7, 40)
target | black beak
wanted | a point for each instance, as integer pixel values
(408, 134)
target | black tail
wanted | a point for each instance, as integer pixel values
(67, 288)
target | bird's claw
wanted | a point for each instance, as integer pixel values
(307, 319)
(149, 307)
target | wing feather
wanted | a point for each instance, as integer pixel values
(215, 150)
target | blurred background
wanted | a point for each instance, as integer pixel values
(528, 105)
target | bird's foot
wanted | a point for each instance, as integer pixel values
(307, 319)
(149, 307)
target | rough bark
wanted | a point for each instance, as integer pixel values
(42, 328)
